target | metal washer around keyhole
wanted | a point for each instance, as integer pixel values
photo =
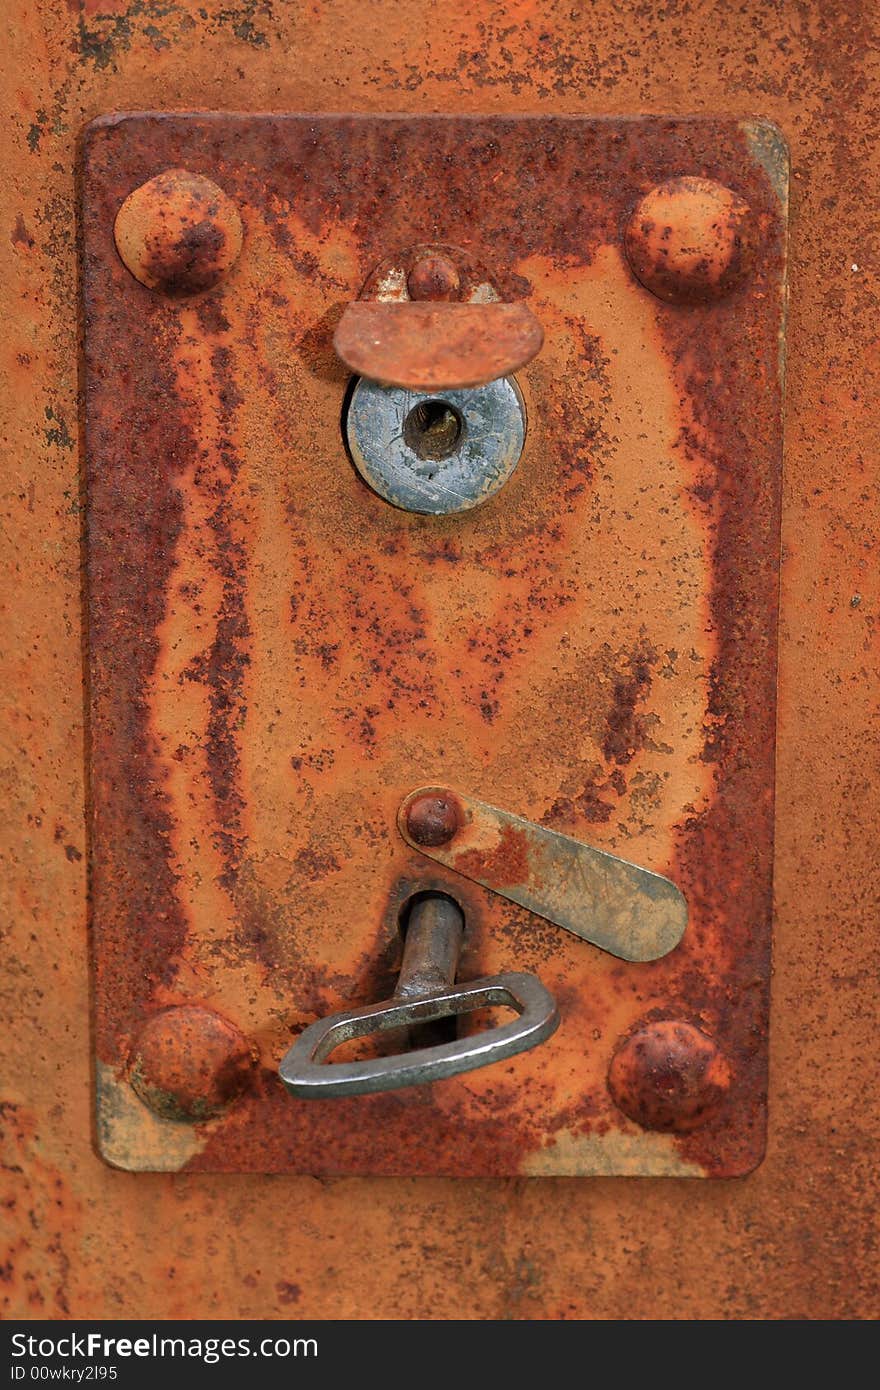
(436, 452)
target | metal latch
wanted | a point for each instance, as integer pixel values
(626, 910)
(431, 319)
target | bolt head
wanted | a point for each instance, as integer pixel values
(690, 239)
(433, 819)
(669, 1076)
(433, 277)
(188, 1063)
(178, 233)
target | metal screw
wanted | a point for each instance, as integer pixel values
(178, 233)
(690, 239)
(433, 819)
(433, 277)
(669, 1076)
(188, 1063)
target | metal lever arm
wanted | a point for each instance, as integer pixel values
(618, 906)
(425, 992)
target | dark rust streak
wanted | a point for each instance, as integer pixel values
(134, 528)
(228, 658)
(735, 834)
(626, 729)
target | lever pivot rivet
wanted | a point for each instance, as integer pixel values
(433, 819)
(433, 277)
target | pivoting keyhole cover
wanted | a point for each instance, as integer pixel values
(436, 422)
(565, 661)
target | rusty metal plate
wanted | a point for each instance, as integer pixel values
(277, 656)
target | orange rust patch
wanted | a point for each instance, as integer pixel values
(506, 863)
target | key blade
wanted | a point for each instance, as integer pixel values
(622, 908)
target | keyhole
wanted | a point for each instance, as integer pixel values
(433, 430)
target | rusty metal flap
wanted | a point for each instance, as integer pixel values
(432, 347)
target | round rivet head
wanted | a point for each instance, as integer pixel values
(178, 233)
(690, 239)
(188, 1063)
(669, 1076)
(433, 277)
(433, 819)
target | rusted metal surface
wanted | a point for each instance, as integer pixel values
(278, 656)
(797, 1238)
(437, 347)
(621, 907)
